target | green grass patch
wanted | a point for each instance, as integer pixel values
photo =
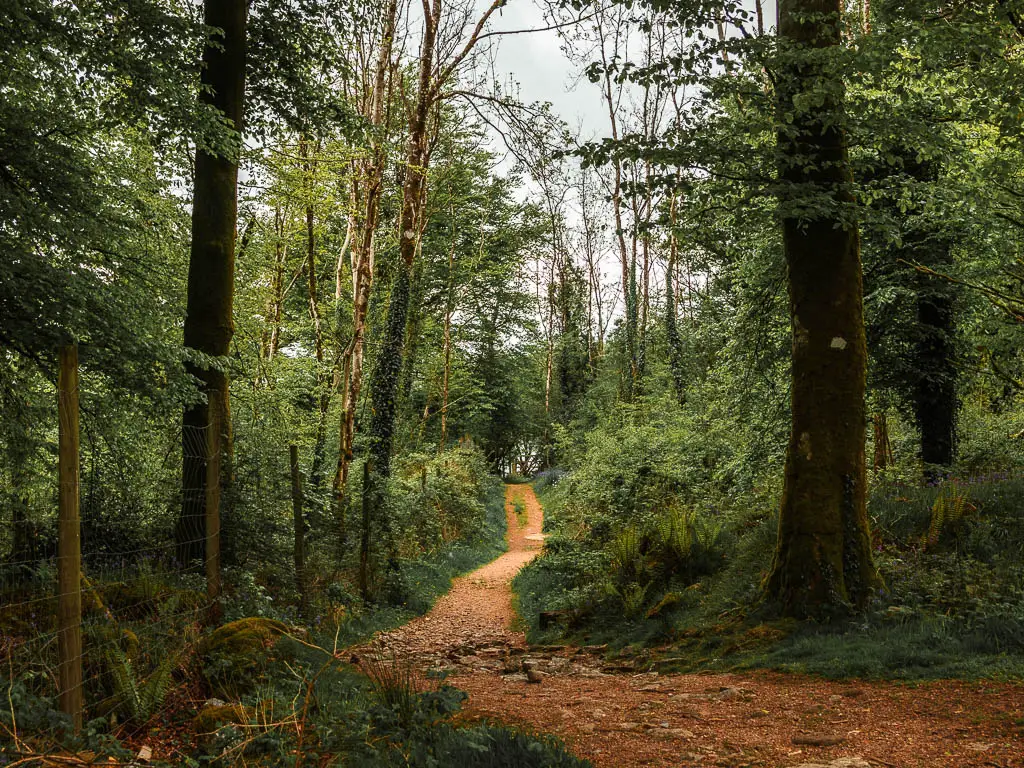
(951, 559)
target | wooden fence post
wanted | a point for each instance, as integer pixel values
(300, 528)
(69, 542)
(213, 584)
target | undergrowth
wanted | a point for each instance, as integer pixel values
(685, 582)
(149, 661)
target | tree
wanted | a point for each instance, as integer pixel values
(823, 562)
(209, 324)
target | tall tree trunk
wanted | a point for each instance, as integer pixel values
(412, 333)
(363, 259)
(883, 445)
(208, 317)
(823, 562)
(628, 265)
(276, 304)
(449, 309)
(675, 344)
(934, 365)
(388, 364)
(593, 270)
(935, 391)
(323, 377)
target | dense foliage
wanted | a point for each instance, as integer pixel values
(421, 284)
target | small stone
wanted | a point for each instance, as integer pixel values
(629, 726)
(533, 675)
(818, 740)
(728, 694)
(683, 733)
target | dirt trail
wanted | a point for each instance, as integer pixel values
(477, 612)
(620, 719)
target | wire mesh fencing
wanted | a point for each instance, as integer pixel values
(95, 625)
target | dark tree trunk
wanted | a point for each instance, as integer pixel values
(208, 318)
(935, 395)
(934, 359)
(823, 562)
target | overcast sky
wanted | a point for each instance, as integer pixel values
(537, 63)
(544, 73)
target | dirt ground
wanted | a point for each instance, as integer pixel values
(621, 720)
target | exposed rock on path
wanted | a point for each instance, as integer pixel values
(622, 718)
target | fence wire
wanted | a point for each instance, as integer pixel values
(140, 607)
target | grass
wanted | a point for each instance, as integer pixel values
(425, 580)
(519, 508)
(954, 608)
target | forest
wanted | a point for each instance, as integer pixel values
(363, 405)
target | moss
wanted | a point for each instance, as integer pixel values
(243, 636)
(213, 716)
(237, 654)
(669, 601)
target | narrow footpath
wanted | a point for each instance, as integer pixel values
(621, 719)
(477, 613)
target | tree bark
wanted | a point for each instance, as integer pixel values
(298, 530)
(449, 309)
(277, 284)
(628, 265)
(823, 561)
(363, 260)
(934, 369)
(675, 344)
(307, 152)
(935, 392)
(208, 318)
(388, 366)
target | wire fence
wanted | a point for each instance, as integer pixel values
(71, 615)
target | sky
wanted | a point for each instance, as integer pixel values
(544, 73)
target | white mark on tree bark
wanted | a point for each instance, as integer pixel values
(805, 445)
(800, 334)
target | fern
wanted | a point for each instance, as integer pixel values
(140, 699)
(626, 554)
(950, 509)
(677, 533)
(633, 597)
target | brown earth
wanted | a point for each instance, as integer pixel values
(619, 719)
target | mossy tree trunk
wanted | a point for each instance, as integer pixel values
(368, 186)
(823, 561)
(208, 318)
